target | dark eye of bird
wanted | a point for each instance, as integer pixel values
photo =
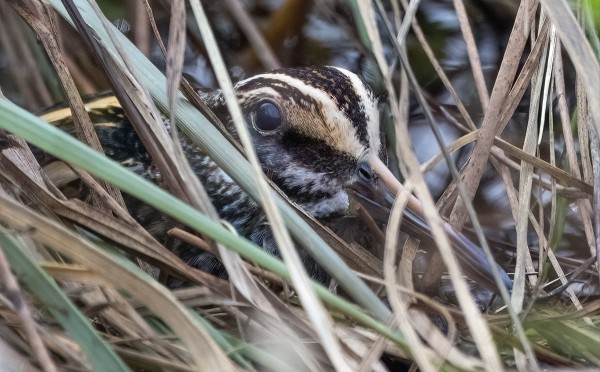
(268, 116)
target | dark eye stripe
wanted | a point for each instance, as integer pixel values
(328, 79)
(309, 152)
(340, 88)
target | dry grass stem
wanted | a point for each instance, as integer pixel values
(528, 190)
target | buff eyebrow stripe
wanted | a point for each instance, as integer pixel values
(342, 91)
(345, 99)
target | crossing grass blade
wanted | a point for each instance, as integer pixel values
(64, 146)
(196, 127)
(100, 354)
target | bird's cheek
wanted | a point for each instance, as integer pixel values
(336, 205)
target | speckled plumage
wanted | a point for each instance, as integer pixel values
(330, 121)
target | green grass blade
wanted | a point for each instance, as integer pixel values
(66, 147)
(196, 127)
(99, 353)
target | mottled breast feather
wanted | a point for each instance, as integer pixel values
(329, 120)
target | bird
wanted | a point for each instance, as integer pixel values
(315, 131)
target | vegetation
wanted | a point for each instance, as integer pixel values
(84, 283)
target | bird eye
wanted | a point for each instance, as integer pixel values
(267, 116)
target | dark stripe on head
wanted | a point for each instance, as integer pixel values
(329, 80)
(317, 155)
(340, 89)
(290, 93)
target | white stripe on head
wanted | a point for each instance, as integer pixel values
(336, 129)
(370, 108)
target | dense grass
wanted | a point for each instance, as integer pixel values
(76, 262)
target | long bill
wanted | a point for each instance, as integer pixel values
(375, 188)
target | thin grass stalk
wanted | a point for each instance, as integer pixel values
(99, 353)
(423, 356)
(201, 132)
(475, 321)
(122, 274)
(579, 50)
(321, 321)
(61, 145)
(476, 68)
(595, 154)
(523, 263)
(23, 311)
(496, 108)
(477, 227)
(439, 70)
(261, 47)
(584, 205)
(547, 80)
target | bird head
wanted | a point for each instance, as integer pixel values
(314, 131)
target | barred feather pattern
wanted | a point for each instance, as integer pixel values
(330, 120)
